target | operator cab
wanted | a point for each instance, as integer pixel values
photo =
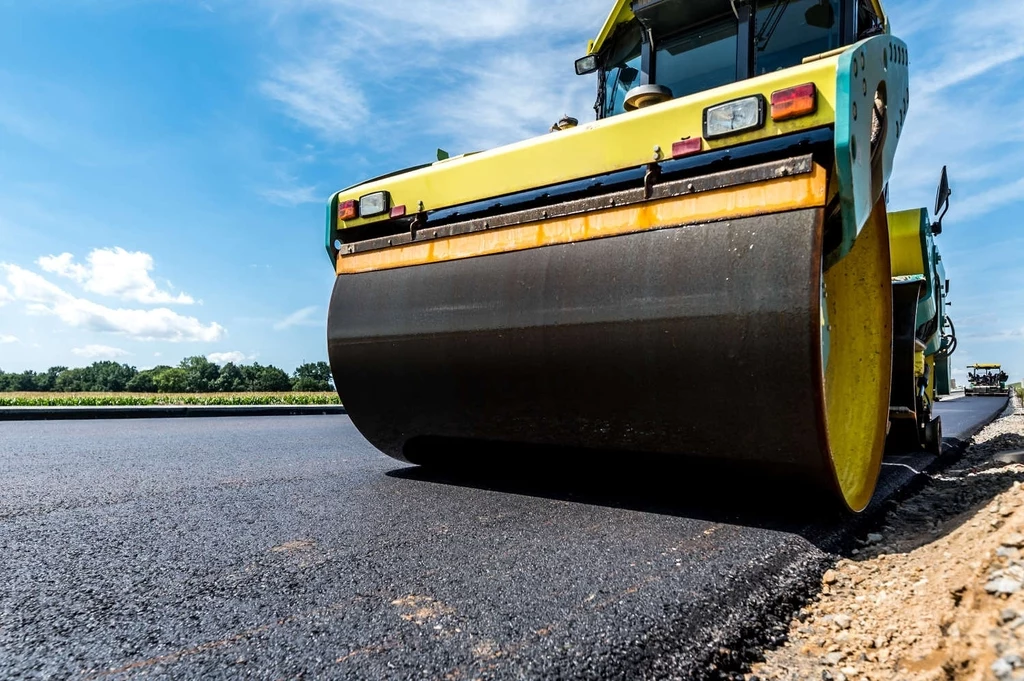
(987, 375)
(666, 49)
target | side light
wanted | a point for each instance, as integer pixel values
(735, 117)
(348, 210)
(377, 203)
(586, 65)
(794, 102)
(687, 147)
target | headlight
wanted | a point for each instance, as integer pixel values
(586, 65)
(377, 203)
(734, 117)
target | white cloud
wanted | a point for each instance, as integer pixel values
(64, 266)
(318, 94)
(963, 68)
(293, 196)
(1003, 335)
(532, 96)
(234, 357)
(6, 339)
(43, 297)
(990, 35)
(115, 272)
(99, 352)
(980, 203)
(303, 317)
(5, 295)
(443, 22)
(483, 72)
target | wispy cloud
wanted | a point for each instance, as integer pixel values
(293, 196)
(114, 272)
(987, 35)
(1004, 335)
(318, 94)
(513, 96)
(480, 72)
(303, 317)
(99, 352)
(5, 295)
(978, 204)
(442, 22)
(43, 297)
(7, 339)
(973, 79)
(28, 127)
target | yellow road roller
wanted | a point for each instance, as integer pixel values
(702, 272)
(924, 338)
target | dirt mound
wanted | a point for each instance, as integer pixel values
(938, 593)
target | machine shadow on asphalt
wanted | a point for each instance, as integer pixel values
(650, 483)
(714, 492)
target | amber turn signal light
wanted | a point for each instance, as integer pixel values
(794, 102)
(348, 210)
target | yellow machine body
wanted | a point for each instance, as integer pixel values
(919, 291)
(583, 288)
(605, 146)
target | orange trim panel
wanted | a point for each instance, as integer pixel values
(772, 196)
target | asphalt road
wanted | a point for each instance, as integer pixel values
(960, 415)
(288, 547)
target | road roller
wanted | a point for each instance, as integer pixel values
(701, 273)
(924, 338)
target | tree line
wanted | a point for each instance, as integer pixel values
(192, 375)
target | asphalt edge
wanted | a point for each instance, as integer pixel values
(162, 412)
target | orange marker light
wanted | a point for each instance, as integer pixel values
(794, 102)
(348, 210)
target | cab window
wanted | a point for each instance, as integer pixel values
(787, 31)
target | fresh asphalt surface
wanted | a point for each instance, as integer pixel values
(959, 415)
(287, 547)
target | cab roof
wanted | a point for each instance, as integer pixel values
(622, 12)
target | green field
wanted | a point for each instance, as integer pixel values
(49, 399)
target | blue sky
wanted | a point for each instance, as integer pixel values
(164, 164)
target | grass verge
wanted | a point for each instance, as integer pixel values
(162, 399)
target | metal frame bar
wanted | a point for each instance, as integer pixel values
(848, 22)
(790, 167)
(746, 30)
(648, 64)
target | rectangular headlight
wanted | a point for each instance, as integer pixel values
(377, 203)
(586, 65)
(732, 118)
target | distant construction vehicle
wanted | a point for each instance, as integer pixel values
(709, 269)
(987, 380)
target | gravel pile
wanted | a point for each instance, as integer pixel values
(938, 593)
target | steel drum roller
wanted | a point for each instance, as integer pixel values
(701, 339)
